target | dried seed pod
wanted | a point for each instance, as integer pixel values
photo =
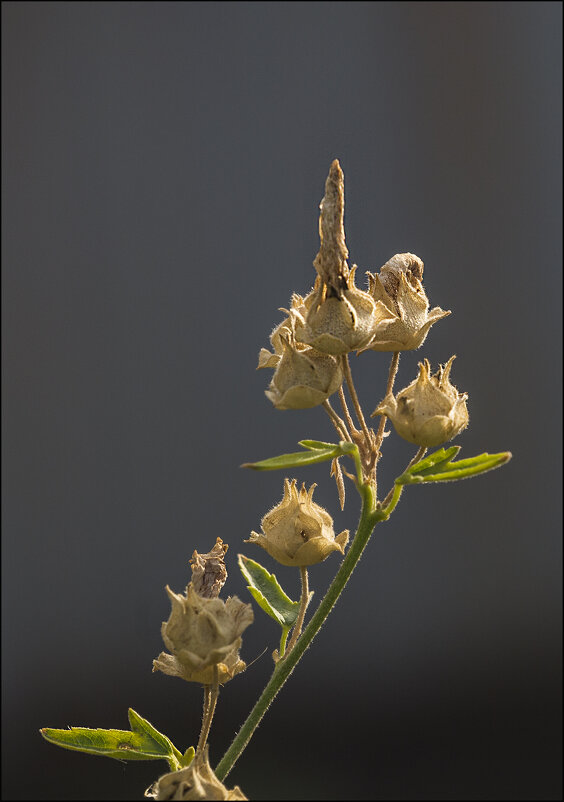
(399, 287)
(196, 782)
(430, 411)
(298, 531)
(201, 633)
(304, 378)
(339, 325)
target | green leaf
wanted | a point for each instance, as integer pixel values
(431, 463)
(119, 744)
(314, 445)
(144, 727)
(268, 594)
(143, 742)
(320, 452)
(439, 467)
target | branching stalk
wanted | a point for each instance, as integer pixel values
(354, 397)
(304, 601)
(343, 401)
(368, 518)
(420, 454)
(382, 425)
(389, 387)
(283, 639)
(210, 701)
(337, 422)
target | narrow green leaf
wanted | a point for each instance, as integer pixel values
(314, 445)
(143, 742)
(119, 744)
(321, 452)
(464, 469)
(297, 460)
(267, 593)
(142, 726)
(444, 470)
(434, 460)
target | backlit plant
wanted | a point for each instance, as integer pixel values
(310, 360)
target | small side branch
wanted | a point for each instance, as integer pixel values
(337, 422)
(304, 601)
(390, 386)
(343, 400)
(354, 397)
(420, 454)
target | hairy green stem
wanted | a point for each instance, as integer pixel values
(283, 639)
(368, 518)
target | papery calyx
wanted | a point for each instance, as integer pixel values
(339, 324)
(202, 633)
(430, 411)
(399, 287)
(303, 377)
(196, 782)
(298, 531)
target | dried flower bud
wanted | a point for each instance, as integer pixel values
(196, 782)
(208, 570)
(304, 378)
(430, 410)
(298, 531)
(202, 633)
(399, 286)
(331, 261)
(338, 325)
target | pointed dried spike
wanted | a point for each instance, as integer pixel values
(330, 262)
(338, 474)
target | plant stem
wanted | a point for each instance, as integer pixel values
(368, 518)
(382, 425)
(354, 397)
(210, 701)
(420, 454)
(207, 695)
(304, 601)
(343, 401)
(337, 422)
(391, 378)
(283, 639)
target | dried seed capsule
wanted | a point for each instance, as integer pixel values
(340, 324)
(399, 287)
(201, 633)
(304, 378)
(430, 410)
(198, 781)
(298, 531)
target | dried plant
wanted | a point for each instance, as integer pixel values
(310, 359)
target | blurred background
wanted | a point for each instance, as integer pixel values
(163, 164)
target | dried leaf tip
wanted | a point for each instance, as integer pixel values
(330, 262)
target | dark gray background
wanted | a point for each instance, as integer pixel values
(163, 166)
